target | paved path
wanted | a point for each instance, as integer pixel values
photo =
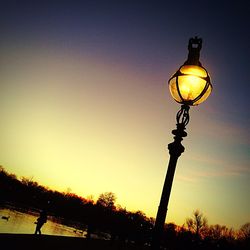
(51, 242)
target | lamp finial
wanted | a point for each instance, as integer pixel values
(194, 47)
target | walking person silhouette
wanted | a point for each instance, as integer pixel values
(40, 221)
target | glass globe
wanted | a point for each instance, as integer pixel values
(190, 85)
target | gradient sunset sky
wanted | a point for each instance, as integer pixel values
(85, 105)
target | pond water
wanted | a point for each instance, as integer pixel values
(13, 221)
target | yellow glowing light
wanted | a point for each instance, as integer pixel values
(193, 70)
(190, 85)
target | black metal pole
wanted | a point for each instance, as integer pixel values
(175, 150)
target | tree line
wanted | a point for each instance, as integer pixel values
(104, 216)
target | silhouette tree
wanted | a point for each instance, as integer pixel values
(139, 227)
(245, 231)
(107, 200)
(244, 235)
(218, 232)
(197, 224)
(169, 235)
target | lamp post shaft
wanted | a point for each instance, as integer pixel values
(175, 150)
(185, 87)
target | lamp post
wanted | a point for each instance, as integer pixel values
(190, 85)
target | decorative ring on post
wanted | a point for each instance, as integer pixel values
(182, 116)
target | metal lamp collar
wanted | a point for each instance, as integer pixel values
(182, 116)
(194, 47)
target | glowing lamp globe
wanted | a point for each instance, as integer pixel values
(190, 84)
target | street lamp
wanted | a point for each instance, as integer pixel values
(190, 85)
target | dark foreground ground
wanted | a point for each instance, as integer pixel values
(48, 242)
